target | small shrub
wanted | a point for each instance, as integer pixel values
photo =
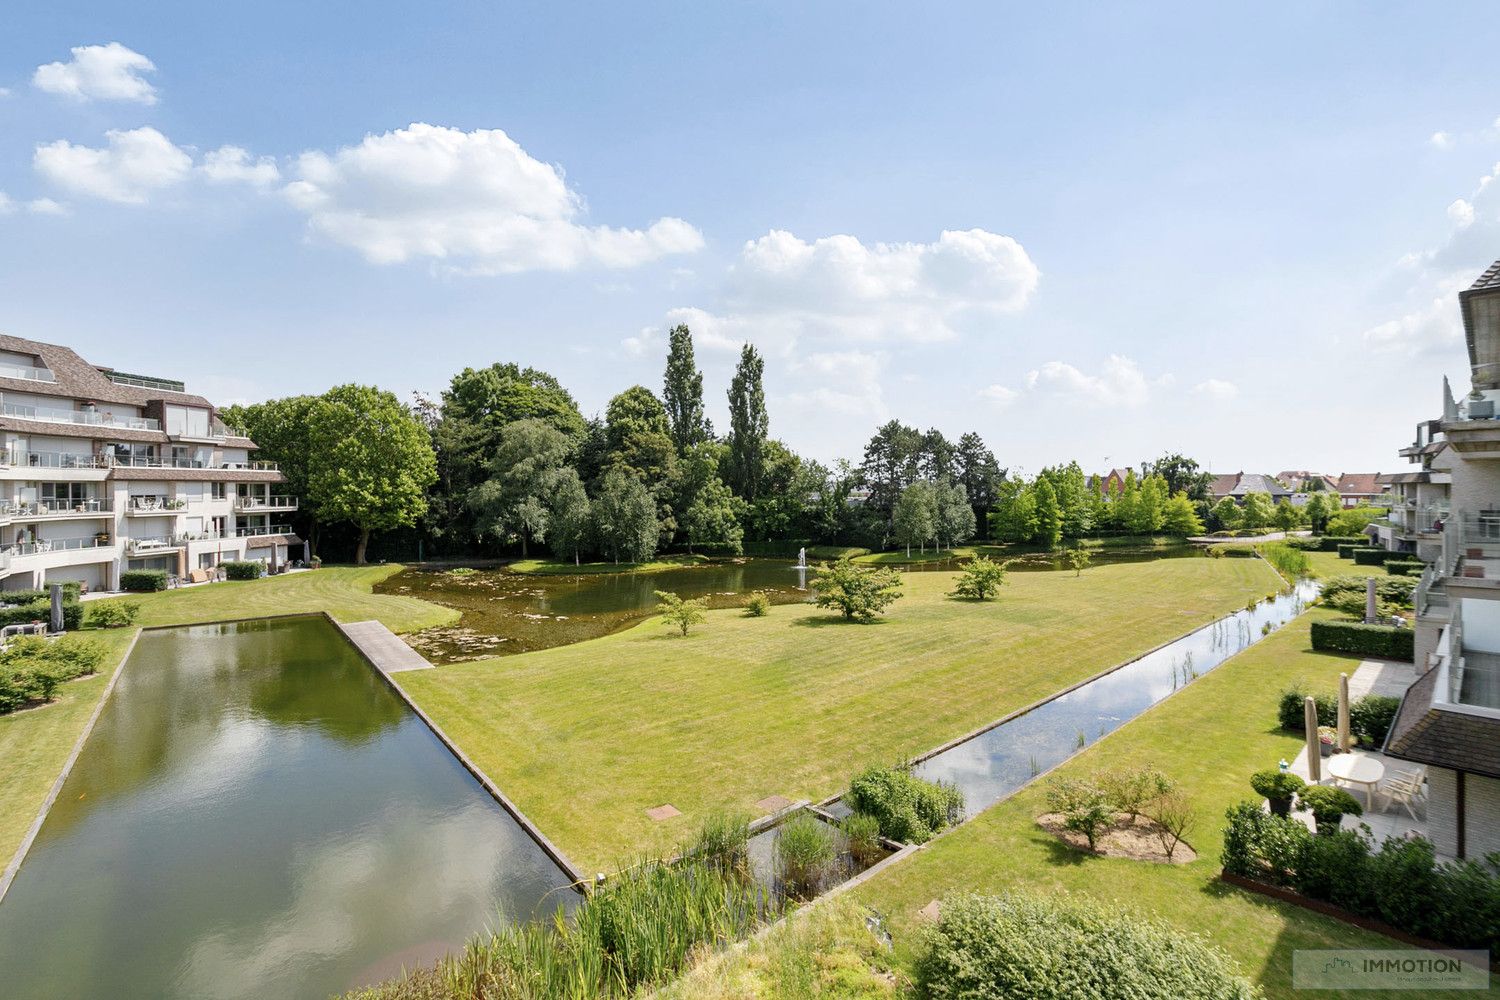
(32, 668)
(1334, 866)
(1262, 846)
(1084, 806)
(908, 808)
(862, 831)
(859, 594)
(1348, 591)
(112, 614)
(143, 581)
(1291, 714)
(1078, 559)
(1131, 791)
(679, 613)
(1172, 812)
(1370, 718)
(1029, 947)
(242, 570)
(1388, 642)
(804, 850)
(1328, 805)
(758, 606)
(1277, 786)
(980, 579)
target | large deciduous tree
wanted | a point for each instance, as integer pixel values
(570, 515)
(749, 426)
(512, 504)
(640, 442)
(624, 517)
(916, 515)
(371, 461)
(1049, 519)
(682, 392)
(282, 430)
(1183, 475)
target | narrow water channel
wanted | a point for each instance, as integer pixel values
(257, 814)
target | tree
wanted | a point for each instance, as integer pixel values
(569, 514)
(981, 579)
(1256, 510)
(1317, 512)
(860, 594)
(955, 518)
(1014, 518)
(282, 430)
(510, 505)
(1048, 516)
(679, 613)
(371, 461)
(1287, 517)
(624, 517)
(1078, 559)
(938, 458)
(1180, 517)
(748, 425)
(1353, 520)
(1228, 514)
(635, 424)
(682, 391)
(891, 463)
(916, 515)
(1182, 474)
(1145, 515)
(978, 473)
(710, 512)
(1124, 511)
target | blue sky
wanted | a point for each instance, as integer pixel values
(1237, 234)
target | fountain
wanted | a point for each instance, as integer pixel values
(802, 558)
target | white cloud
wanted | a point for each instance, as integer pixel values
(99, 72)
(46, 206)
(1216, 389)
(4, 92)
(841, 382)
(1442, 140)
(1120, 382)
(1435, 326)
(231, 164)
(474, 199)
(6, 205)
(1001, 395)
(1461, 213)
(135, 164)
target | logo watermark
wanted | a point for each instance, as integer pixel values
(1390, 969)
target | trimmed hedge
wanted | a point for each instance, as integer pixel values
(143, 581)
(1386, 641)
(71, 591)
(1291, 713)
(1346, 549)
(41, 611)
(1374, 555)
(1331, 543)
(242, 570)
(1405, 567)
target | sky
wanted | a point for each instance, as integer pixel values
(1088, 234)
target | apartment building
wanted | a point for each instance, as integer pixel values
(1448, 513)
(102, 471)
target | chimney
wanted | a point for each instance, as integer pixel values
(1480, 305)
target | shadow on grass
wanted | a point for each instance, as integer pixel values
(824, 621)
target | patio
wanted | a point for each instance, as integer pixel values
(1384, 818)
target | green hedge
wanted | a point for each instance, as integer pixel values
(71, 591)
(1385, 641)
(248, 570)
(1405, 567)
(41, 611)
(1290, 711)
(1374, 555)
(143, 580)
(1346, 549)
(1331, 543)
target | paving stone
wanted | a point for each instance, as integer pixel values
(773, 803)
(663, 812)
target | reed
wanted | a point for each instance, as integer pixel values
(862, 831)
(804, 850)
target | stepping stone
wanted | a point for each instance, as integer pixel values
(663, 812)
(773, 803)
(930, 911)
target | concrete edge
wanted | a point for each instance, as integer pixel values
(14, 868)
(548, 847)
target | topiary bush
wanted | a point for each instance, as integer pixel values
(1328, 805)
(1278, 787)
(1385, 641)
(908, 808)
(247, 570)
(1405, 567)
(143, 581)
(1023, 947)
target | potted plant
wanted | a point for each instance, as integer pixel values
(1326, 737)
(1328, 805)
(316, 562)
(1278, 788)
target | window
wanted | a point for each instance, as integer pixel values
(216, 490)
(65, 492)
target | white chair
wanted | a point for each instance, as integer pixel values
(1406, 788)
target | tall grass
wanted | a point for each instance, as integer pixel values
(1290, 562)
(862, 831)
(804, 852)
(636, 932)
(723, 841)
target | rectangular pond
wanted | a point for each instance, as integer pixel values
(257, 814)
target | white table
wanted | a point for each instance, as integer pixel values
(1357, 769)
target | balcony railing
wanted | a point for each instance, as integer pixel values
(90, 418)
(136, 546)
(91, 507)
(155, 462)
(1471, 545)
(252, 466)
(56, 545)
(54, 460)
(27, 372)
(265, 529)
(73, 460)
(253, 503)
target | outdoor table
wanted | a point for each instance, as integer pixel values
(1357, 769)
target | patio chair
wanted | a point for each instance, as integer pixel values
(1406, 788)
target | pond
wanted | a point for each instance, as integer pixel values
(257, 814)
(505, 612)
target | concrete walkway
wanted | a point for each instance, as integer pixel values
(384, 648)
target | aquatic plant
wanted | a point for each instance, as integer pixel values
(723, 841)
(804, 850)
(909, 808)
(862, 831)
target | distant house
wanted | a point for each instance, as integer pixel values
(1111, 482)
(1237, 485)
(1361, 487)
(1305, 480)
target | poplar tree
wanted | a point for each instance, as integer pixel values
(748, 424)
(682, 391)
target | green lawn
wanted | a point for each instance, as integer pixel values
(35, 744)
(586, 737)
(342, 591)
(1208, 738)
(548, 567)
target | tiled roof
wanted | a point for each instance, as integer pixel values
(176, 475)
(77, 379)
(1222, 486)
(1240, 483)
(1359, 482)
(1456, 740)
(1489, 279)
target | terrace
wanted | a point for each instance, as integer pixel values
(85, 417)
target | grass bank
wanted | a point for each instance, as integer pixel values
(1208, 738)
(587, 737)
(549, 567)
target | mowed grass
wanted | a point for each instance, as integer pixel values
(551, 567)
(1208, 737)
(587, 737)
(35, 743)
(343, 591)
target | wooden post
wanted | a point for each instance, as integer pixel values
(1314, 745)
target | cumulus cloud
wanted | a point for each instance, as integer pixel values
(99, 72)
(46, 206)
(1216, 389)
(1120, 382)
(1435, 326)
(1001, 395)
(130, 168)
(1461, 213)
(1442, 140)
(476, 200)
(232, 164)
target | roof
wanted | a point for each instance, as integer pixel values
(1460, 741)
(1489, 279)
(78, 379)
(1222, 486)
(1359, 482)
(180, 475)
(1240, 483)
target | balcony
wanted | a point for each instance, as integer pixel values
(58, 545)
(1415, 520)
(252, 466)
(27, 372)
(53, 460)
(157, 506)
(265, 529)
(45, 508)
(89, 418)
(265, 504)
(146, 546)
(154, 462)
(1471, 426)
(1468, 678)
